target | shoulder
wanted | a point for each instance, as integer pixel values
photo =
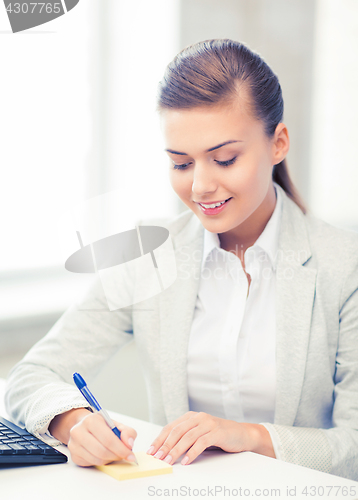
(335, 256)
(311, 238)
(331, 242)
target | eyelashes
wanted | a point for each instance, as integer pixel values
(181, 167)
(226, 163)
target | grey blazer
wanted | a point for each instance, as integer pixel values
(316, 413)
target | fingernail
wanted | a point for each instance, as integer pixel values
(150, 451)
(159, 454)
(131, 458)
(185, 460)
(131, 442)
(168, 459)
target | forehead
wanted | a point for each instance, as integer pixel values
(199, 129)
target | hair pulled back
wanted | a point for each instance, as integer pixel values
(211, 73)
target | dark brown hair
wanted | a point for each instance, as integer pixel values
(209, 73)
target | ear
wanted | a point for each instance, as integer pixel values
(281, 144)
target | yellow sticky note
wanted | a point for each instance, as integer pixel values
(147, 466)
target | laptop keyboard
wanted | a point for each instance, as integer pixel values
(10, 440)
(19, 442)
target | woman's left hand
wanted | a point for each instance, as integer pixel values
(194, 432)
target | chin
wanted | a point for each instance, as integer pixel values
(215, 226)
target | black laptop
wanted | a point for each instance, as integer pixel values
(18, 448)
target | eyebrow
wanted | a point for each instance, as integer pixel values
(207, 151)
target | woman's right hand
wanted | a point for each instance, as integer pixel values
(90, 440)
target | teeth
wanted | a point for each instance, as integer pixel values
(213, 205)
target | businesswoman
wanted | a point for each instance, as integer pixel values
(255, 345)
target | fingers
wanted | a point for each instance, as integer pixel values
(190, 435)
(158, 442)
(92, 442)
(198, 447)
(180, 439)
(193, 433)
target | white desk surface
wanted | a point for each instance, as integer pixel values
(256, 475)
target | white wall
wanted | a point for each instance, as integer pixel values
(140, 39)
(45, 134)
(334, 160)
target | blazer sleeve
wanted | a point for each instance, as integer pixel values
(41, 386)
(333, 450)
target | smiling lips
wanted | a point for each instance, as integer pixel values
(214, 207)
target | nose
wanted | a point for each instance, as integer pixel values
(203, 180)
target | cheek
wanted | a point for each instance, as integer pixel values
(253, 173)
(181, 183)
(241, 179)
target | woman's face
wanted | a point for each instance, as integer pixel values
(222, 155)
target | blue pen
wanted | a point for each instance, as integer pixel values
(82, 386)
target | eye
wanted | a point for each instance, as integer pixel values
(183, 166)
(227, 162)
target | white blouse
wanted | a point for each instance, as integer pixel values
(231, 355)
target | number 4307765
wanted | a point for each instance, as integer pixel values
(34, 7)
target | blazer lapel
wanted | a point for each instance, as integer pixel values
(295, 292)
(177, 305)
